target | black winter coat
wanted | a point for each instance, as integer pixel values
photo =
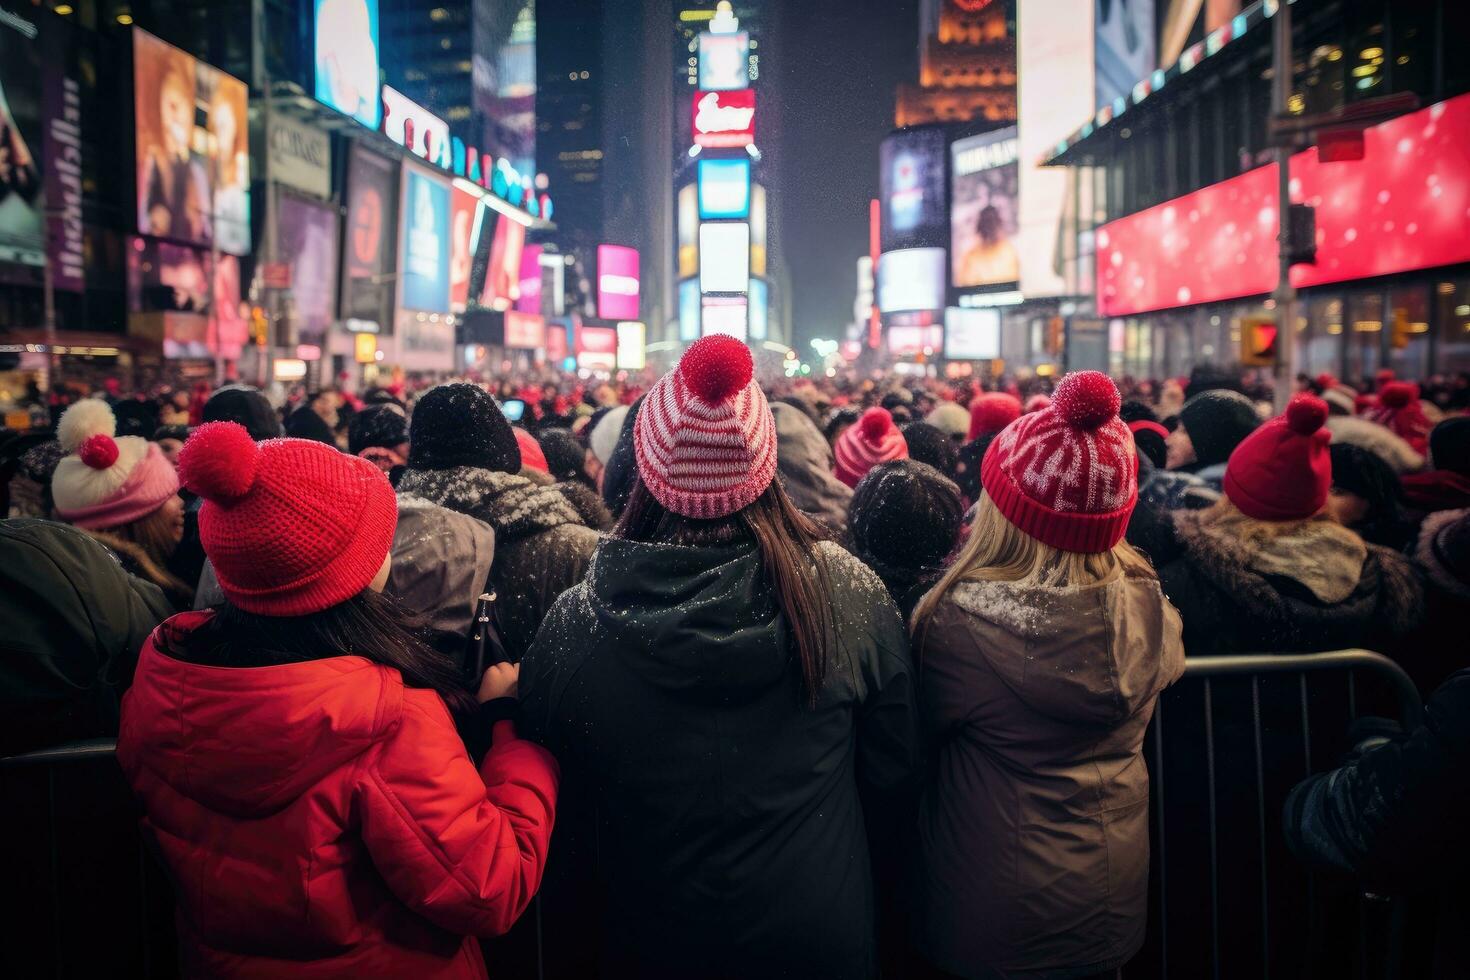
(730, 839)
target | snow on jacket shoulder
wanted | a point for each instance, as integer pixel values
(322, 819)
(1033, 832)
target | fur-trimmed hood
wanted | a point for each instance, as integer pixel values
(1428, 556)
(510, 503)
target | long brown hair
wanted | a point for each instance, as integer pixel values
(788, 542)
(149, 543)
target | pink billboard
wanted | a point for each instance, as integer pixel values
(530, 299)
(1404, 206)
(617, 282)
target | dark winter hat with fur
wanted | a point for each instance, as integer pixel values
(376, 425)
(928, 444)
(1217, 421)
(1449, 445)
(460, 425)
(247, 407)
(565, 456)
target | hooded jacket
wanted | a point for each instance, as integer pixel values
(1033, 831)
(542, 547)
(730, 841)
(1247, 586)
(804, 460)
(441, 565)
(74, 621)
(322, 819)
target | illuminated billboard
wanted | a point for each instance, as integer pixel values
(688, 230)
(971, 334)
(530, 298)
(911, 279)
(905, 340)
(723, 61)
(632, 337)
(1054, 92)
(689, 310)
(1126, 49)
(759, 309)
(911, 186)
(725, 315)
(597, 348)
(415, 128)
(724, 188)
(347, 58)
(467, 214)
(983, 212)
(617, 282)
(502, 284)
(306, 237)
(724, 119)
(1402, 207)
(22, 204)
(425, 246)
(368, 251)
(724, 257)
(524, 331)
(192, 144)
(757, 230)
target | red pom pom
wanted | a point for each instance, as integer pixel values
(1397, 394)
(219, 461)
(99, 451)
(1086, 399)
(716, 367)
(1325, 380)
(1305, 414)
(875, 424)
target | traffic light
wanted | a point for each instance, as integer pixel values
(259, 326)
(1258, 341)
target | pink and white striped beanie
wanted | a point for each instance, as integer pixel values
(875, 439)
(704, 439)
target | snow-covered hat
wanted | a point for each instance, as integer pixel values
(107, 481)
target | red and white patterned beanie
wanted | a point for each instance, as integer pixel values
(705, 440)
(1067, 475)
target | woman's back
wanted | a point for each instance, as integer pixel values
(730, 838)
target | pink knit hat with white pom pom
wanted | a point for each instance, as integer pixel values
(704, 439)
(1068, 474)
(107, 482)
(291, 526)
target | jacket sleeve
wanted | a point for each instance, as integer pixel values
(1391, 815)
(464, 849)
(888, 722)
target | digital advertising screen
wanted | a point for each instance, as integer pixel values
(971, 334)
(503, 269)
(307, 239)
(597, 348)
(725, 315)
(983, 211)
(530, 298)
(760, 298)
(524, 331)
(617, 282)
(911, 279)
(192, 145)
(415, 128)
(689, 310)
(724, 188)
(346, 55)
(910, 341)
(368, 241)
(632, 337)
(688, 230)
(22, 205)
(911, 187)
(466, 214)
(425, 243)
(724, 119)
(1126, 47)
(724, 257)
(757, 230)
(723, 61)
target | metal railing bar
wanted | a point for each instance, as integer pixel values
(96, 748)
(1163, 855)
(1261, 826)
(1410, 704)
(1214, 839)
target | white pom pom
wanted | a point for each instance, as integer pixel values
(85, 419)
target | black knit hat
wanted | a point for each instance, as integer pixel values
(928, 444)
(377, 425)
(135, 418)
(247, 407)
(566, 458)
(460, 425)
(967, 468)
(305, 423)
(1449, 445)
(1217, 421)
(179, 432)
(904, 517)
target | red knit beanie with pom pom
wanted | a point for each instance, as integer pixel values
(1068, 474)
(875, 439)
(1283, 471)
(291, 526)
(991, 412)
(705, 440)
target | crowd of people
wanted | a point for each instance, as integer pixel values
(747, 680)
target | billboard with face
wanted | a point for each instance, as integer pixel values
(369, 252)
(347, 58)
(307, 239)
(425, 242)
(911, 186)
(22, 67)
(1126, 48)
(983, 212)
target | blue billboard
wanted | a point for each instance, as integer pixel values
(689, 310)
(426, 243)
(724, 188)
(347, 58)
(759, 309)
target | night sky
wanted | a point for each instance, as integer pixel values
(839, 81)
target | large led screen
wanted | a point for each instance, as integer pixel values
(347, 58)
(757, 230)
(617, 282)
(368, 251)
(22, 204)
(971, 334)
(725, 315)
(689, 310)
(724, 257)
(911, 186)
(466, 215)
(307, 239)
(503, 266)
(911, 279)
(724, 188)
(425, 244)
(192, 145)
(983, 213)
(688, 230)
(760, 297)
(1404, 206)
(723, 119)
(1126, 48)
(723, 61)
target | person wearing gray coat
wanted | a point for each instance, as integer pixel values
(804, 462)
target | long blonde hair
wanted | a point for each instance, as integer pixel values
(998, 551)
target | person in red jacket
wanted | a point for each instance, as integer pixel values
(294, 750)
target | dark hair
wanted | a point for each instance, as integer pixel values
(369, 625)
(840, 419)
(1134, 410)
(929, 445)
(1365, 474)
(967, 469)
(904, 520)
(787, 540)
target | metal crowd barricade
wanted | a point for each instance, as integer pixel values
(1227, 744)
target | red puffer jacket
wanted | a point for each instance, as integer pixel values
(322, 819)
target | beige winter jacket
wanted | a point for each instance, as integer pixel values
(1033, 831)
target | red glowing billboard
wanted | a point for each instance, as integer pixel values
(724, 118)
(1404, 206)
